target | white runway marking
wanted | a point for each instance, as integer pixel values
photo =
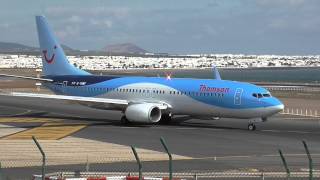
(129, 127)
(270, 130)
(186, 128)
(18, 114)
(177, 128)
(302, 118)
(253, 156)
(7, 130)
(298, 132)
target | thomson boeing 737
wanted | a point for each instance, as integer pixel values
(148, 99)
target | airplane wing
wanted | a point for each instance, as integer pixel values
(91, 101)
(27, 77)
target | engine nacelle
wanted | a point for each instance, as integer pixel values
(143, 113)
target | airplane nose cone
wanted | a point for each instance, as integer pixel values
(279, 108)
(274, 106)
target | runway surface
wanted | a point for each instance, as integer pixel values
(222, 145)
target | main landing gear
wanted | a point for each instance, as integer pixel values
(251, 127)
(124, 120)
(165, 119)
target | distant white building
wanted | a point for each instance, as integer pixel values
(187, 62)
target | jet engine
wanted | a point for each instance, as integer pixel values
(143, 113)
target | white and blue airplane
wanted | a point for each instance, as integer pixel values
(148, 99)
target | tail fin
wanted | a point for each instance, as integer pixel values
(54, 61)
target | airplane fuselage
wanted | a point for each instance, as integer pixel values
(184, 96)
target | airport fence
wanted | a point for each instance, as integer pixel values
(126, 162)
(301, 112)
(294, 88)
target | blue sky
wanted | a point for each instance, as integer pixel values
(286, 27)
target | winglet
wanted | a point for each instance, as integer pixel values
(216, 73)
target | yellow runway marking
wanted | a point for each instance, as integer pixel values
(48, 131)
(25, 120)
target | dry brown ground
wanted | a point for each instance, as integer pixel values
(72, 150)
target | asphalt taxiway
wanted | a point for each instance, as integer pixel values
(221, 145)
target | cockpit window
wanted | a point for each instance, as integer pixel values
(259, 95)
(266, 95)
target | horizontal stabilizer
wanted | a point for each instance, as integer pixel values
(27, 77)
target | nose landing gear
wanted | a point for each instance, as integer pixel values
(252, 123)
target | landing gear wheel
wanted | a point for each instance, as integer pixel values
(124, 120)
(165, 119)
(251, 127)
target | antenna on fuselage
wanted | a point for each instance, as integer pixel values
(216, 73)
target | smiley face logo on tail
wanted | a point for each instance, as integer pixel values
(49, 60)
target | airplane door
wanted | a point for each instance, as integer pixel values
(237, 96)
(153, 92)
(149, 92)
(64, 86)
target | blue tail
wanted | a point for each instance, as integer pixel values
(54, 61)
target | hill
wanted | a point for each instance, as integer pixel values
(116, 49)
(125, 48)
(7, 47)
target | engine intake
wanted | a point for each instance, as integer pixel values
(143, 113)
